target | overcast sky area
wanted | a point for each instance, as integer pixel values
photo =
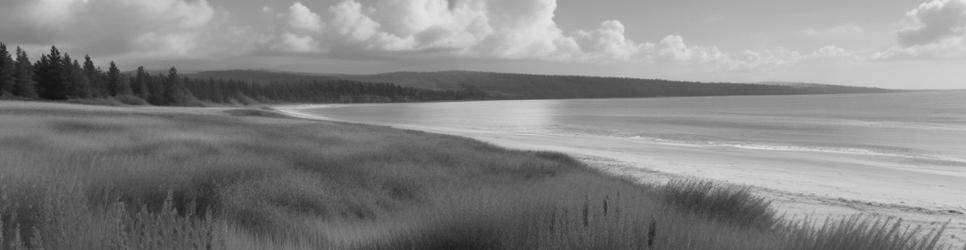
(906, 44)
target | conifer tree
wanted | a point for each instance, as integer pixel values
(94, 78)
(76, 84)
(24, 85)
(80, 84)
(140, 84)
(50, 77)
(124, 86)
(7, 69)
(156, 85)
(68, 70)
(174, 92)
(113, 80)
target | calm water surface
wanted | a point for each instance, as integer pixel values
(917, 129)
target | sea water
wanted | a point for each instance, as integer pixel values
(916, 139)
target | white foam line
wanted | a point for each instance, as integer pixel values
(791, 148)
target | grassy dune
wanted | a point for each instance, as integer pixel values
(73, 177)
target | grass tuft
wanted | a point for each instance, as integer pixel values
(730, 204)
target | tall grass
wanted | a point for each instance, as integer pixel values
(74, 179)
(726, 204)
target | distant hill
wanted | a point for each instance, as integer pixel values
(526, 86)
(262, 76)
(801, 84)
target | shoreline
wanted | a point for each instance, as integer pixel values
(795, 205)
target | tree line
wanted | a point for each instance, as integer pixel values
(533, 86)
(315, 91)
(57, 76)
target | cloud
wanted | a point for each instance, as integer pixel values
(949, 48)
(157, 28)
(840, 30)
(301, 18)
(501, 29)
(520, 29)
(609, 41)
(526, 29)
(933, 30)
(296, 30)
(477, 29)
(357, 30)
(674, 49)
(933, 22)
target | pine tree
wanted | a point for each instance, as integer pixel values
(140, 84)
(50, 77)
(7, 69)
(113, 80)
(174, 89)
(94, 77)
(156, 86)
(72, 88)
(124, 86)
(80, 84)
(24, 85)
(76, 84)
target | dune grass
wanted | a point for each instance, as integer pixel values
(247, 179)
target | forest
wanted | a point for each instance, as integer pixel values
(57, 76)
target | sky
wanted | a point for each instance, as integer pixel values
(905, 44)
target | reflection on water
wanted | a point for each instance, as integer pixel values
(508, 116)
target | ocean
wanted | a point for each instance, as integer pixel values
(901, 148)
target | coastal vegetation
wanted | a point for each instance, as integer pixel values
(93, 177)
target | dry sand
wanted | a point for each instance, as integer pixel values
(814, 186)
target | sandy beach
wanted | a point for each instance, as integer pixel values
(817, 190)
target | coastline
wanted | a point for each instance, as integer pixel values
(795, 203)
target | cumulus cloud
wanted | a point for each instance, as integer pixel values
(354, 28)
(504, 29)
(296, 30)
(949, 48)
(673, 48)
(301, 18)
(490, 29)
(609, 41)
(526, 29)
(494, 28)
(158, 28)
(935, 29)
(933, 22)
